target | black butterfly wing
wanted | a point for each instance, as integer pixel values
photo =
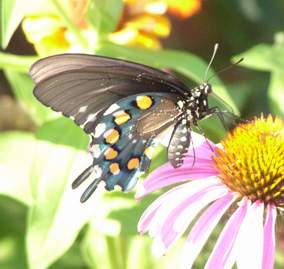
(81, 85)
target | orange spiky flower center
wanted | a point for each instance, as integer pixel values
(251, 161)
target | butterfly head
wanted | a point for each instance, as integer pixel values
(200, 92)
(205, 88)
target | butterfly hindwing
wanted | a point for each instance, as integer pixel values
(121, 147)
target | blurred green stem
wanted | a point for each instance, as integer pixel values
(114, 254)
(16, 62)
(124, 250)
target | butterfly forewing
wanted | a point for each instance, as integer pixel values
(81, 85)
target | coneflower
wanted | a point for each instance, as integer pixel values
(245, 173)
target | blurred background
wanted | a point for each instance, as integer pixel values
(42, 223)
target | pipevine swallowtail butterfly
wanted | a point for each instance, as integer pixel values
(123, 106)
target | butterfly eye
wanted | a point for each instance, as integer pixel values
(207, 88)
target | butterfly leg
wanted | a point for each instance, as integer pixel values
(203, 134)
(220, 114)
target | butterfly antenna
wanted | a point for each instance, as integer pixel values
(226, 68)
(211, 61)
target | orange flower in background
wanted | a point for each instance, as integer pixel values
(143, 30)
(184, 8)
(143, 23)
(180, 8)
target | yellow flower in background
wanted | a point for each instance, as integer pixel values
(49, 35)
(143, 23)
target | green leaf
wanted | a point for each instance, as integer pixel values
(276, 93)
(11, 16)
(182, 62)
(103, 18)
(16, 158)
(269, 58)
(57, 214)
(63, 131)
(104, 254)
(72, 259)
(12, 234)
(241, 92)
(126, 252)
(16, 62)
(22, 86)
(263, 57)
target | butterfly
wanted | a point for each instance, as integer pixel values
(123, 106)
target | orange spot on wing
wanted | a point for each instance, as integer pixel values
(111, 136)
(110, 153)
(144, 102)
(133, 163)
(114, 168)
(121, 117)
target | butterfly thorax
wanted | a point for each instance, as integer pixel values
(195, 104)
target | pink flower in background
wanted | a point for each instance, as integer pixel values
(244, 174)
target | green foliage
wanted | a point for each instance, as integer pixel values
(11, 15)
(102, 18)
(269, 58)
(16, 160)
(22, 86)
(16, 63)
(36, 169)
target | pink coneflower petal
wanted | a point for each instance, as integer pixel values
(168, 201)
(202, 229)
(148, 214)
(199, 141)
(269, 237)
(248, 247)
(167, 175)
(174, 200)
(221, 254)
(178, 220)
(201, 148)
